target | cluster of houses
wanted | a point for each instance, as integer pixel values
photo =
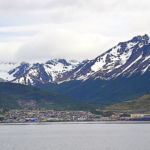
(16, 116)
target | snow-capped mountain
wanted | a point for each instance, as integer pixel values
(34, 73)
(42, 72)
(125, 59)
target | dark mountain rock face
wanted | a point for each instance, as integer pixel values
(20, 70)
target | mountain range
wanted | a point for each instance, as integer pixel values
(33, 73)
(125, 59)
(119, 74)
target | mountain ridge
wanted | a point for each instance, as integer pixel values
(116, 61)
(123, 60)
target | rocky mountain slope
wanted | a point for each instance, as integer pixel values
(124, 60)
(34, 73)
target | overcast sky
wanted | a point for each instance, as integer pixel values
(33, 30)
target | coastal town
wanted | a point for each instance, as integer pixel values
(22, 116)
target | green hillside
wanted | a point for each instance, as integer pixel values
(103, 92)
(22, 96)
(140, 104)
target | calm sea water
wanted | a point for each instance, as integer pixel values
(75, 136)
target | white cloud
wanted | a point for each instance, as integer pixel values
(62, 44)
(68, 28)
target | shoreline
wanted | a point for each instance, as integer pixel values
(78, 122)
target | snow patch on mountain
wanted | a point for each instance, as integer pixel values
(99, 63)
(115, 59)
(145, 69)
(132, 64)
